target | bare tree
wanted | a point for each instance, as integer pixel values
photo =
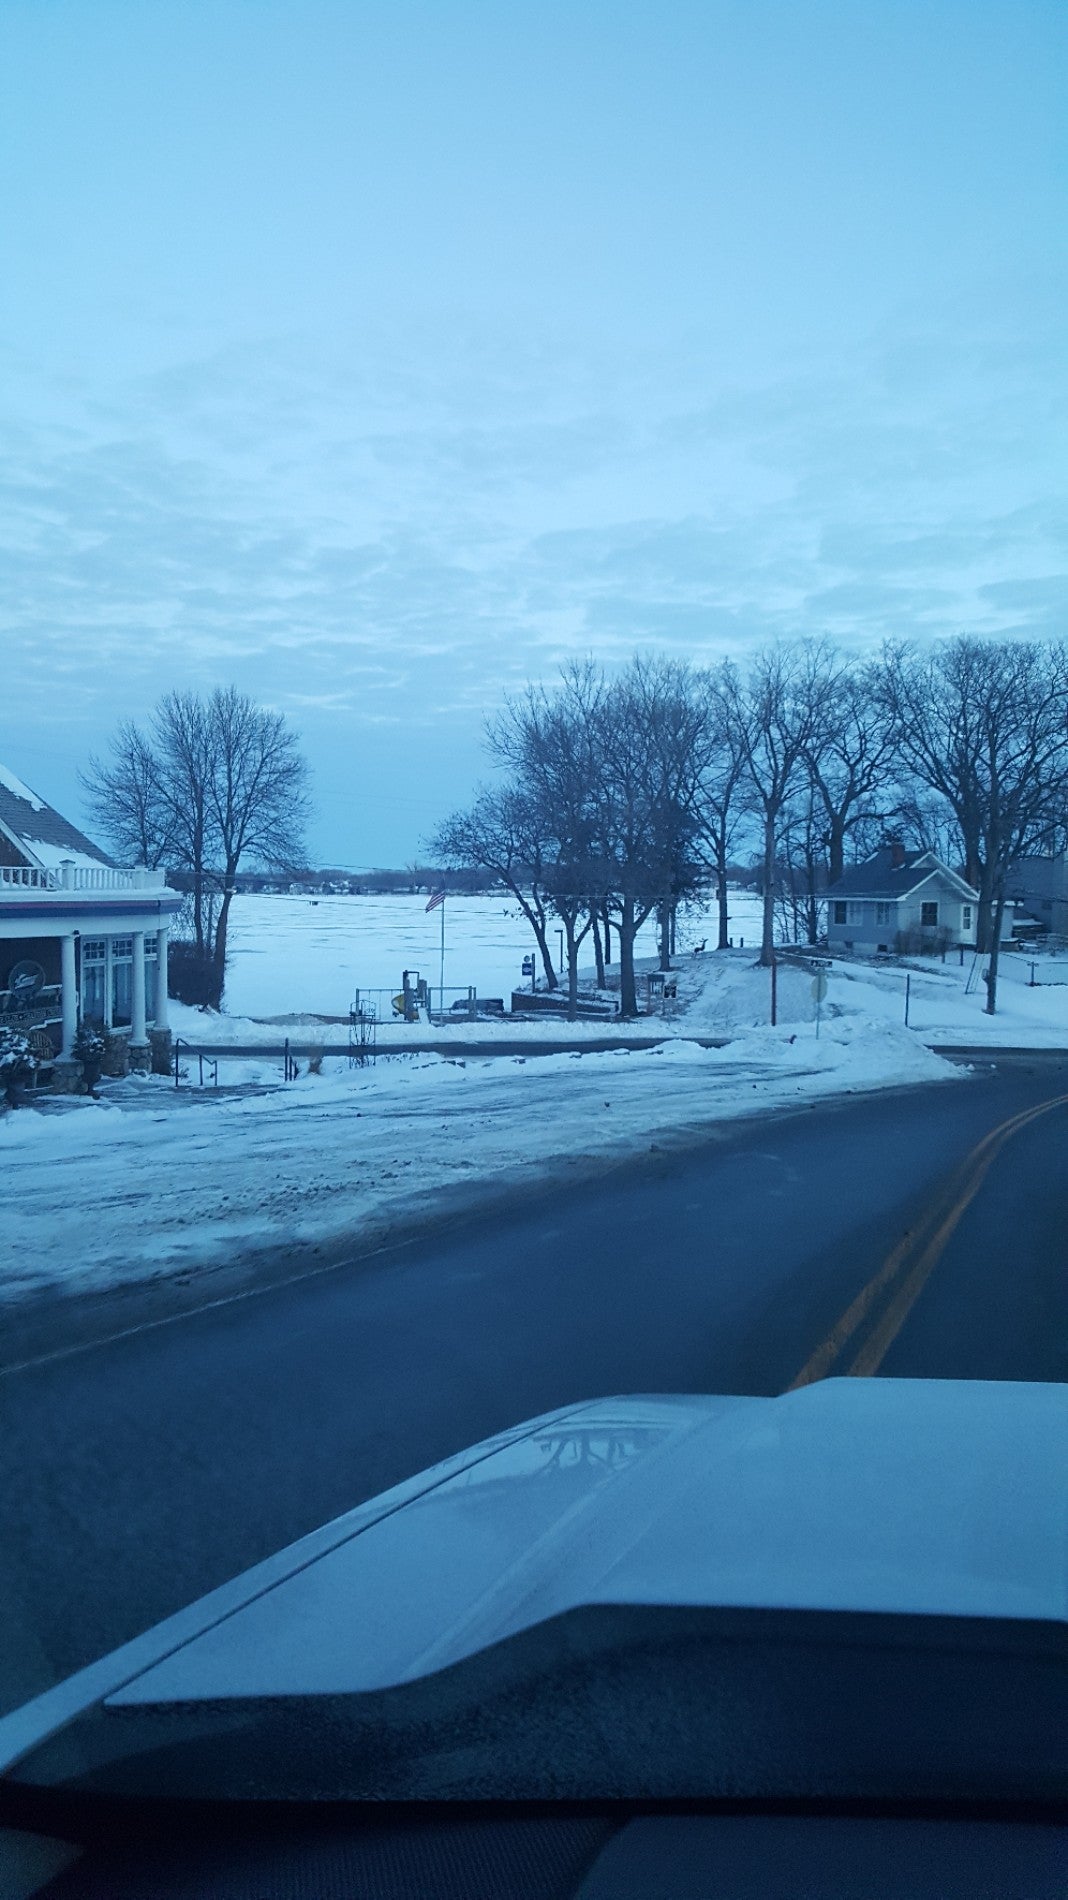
(778, 710)
(126, 798)
(720, 802)
(220, 781)
(257, 795)
(984, 725)
(650, 751)
(801, 867)
(184, 751)
(549, 743)
(501, 833)
(851, 757)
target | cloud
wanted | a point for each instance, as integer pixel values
(389, 536)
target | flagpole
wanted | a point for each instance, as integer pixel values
(441, 984)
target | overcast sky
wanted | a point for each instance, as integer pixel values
(377, 356)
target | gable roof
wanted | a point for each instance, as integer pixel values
(880, 877)
(40, 833)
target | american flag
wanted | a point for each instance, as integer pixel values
(437, 898)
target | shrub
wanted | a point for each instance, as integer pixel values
(18, 1063)
(192, 977)
(89, 1048)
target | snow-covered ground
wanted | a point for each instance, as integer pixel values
(152, 1182)
(291, 954)
(720, 994)
(947, 1002)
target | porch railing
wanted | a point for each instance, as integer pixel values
(79, 877)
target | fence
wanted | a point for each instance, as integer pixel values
(456, 1001)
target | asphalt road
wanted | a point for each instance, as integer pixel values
(915, 1233)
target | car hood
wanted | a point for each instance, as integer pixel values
(905, 1497)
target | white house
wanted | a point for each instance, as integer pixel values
(80, 939)
(902, 901)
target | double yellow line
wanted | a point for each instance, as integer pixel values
(908, 1267)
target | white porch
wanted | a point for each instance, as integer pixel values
(110, 929)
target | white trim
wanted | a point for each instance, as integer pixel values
(70, 997)
(138, 1033)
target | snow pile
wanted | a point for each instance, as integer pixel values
(153, 1181)
(50, 856)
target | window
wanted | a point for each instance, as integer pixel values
(121, 981)
(856, 914)
(928, 916)
(151, 967)
(839, 913)
(883, 913)
(94, 974)
(965, 916)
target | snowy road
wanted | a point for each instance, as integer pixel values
(137, 1473)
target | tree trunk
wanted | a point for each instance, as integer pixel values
(984, 917)
(664, 921)
(222, 929)
(811, 901)
(767, 941)
(995, 948)
(721, 899)
(537, 925)
(628, 994)
(835, 852)
(607, 935)
(598, 949)
(542, 936)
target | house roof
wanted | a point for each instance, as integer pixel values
(880, 877)
(39, 832)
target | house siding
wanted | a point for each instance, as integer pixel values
(9, 854)
(864, 932)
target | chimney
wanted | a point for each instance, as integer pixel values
(897, 854)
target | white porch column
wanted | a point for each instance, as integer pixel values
(138, 1035)
(69, 982)
(161, 979)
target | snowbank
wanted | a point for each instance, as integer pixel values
(153, 1181)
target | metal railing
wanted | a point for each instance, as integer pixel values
(206, 1063)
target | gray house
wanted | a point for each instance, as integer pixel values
(898, 900)
(1039, 886)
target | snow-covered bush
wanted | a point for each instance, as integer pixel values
(89, 1048)
(17, 1063)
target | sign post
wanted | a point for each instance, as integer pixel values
(819, 991)
(437, 901)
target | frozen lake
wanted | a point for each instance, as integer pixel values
(301, 953)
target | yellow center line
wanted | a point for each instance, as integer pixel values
(930, 1237)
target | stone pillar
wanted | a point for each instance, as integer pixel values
(138, 1036)
(69, 982)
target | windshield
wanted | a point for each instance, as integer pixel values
(533, 872)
